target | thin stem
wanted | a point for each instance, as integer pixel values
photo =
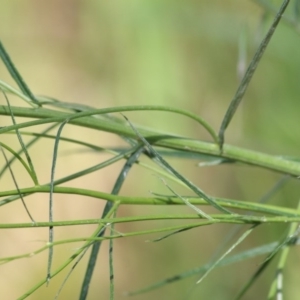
(271, 162)
(17, 186)
(96, 246)
(53, 167)
(159, 200)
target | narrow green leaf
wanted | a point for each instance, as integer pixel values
(15, 74)
(249, 73)
(51, 229)
(9, 89)
(172, 233)
(96, 246)
(217, 262)
(16, 155)
(24, 149)
(282, 247)
(188, 183)
(253, 278)
(75, 255)
(187, 202)
(17, 186)
(254, 252)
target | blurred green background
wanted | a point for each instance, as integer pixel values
(184, 54)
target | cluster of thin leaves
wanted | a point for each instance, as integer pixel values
(157, 147)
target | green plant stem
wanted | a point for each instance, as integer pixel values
(292, 236)
(237, 154)
(16, 185)
(103, 111)
(244, 205)
(243, 219)
(18, 157)
(96, 246)
(94, 238)
(71, 258)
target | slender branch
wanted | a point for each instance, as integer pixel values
(271, 162)
(159, 200)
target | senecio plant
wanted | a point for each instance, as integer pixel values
(157, 147)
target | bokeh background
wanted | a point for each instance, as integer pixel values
(187, 54)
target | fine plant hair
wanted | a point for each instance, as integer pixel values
(155, 147)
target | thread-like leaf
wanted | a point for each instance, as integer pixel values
(15, 74)
(17, 186)
(53, 167)
(96, 246)
(24, 149)
(254, 252)
(249, 73)
(188, 183)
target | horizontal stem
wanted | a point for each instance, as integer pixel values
(157, 138)
(233, 204)
(225, 218)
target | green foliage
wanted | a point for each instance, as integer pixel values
(45, 119)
